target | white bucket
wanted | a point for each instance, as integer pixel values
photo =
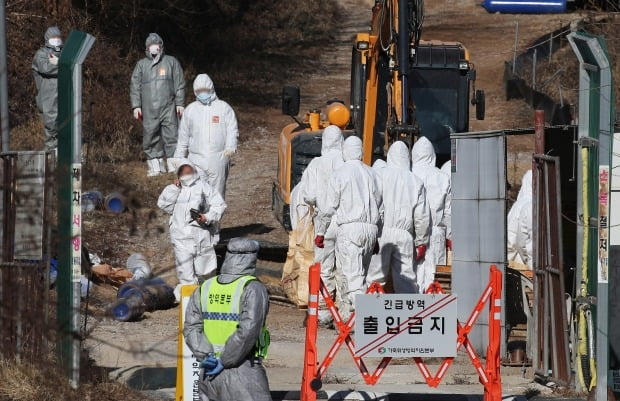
(139, 266)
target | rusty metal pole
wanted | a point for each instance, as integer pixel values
(539, 148)
(539, 131)
(4, 85)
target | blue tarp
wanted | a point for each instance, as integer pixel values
(525, 6)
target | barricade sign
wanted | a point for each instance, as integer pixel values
(405, 325)
(188, 369)
(379, 332)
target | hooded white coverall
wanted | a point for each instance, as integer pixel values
(374, 268)
(423, 161)
(447, 170)
(297, 206)
(519, 222)
(193, 243)
(406, 222)
(207, 135)
(312, 191)
(352, 200)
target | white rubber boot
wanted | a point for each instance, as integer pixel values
(173, 164)
(161, 165)
(153, 170)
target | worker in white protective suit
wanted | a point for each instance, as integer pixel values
(406, 223)
(352, 200)
(519, 224)
(378, 170)
(297, 207)
(423, 161)
(313, 191)
(374, 268)
(195, 209)
(524, 234)
(447, 170)
(208, 134)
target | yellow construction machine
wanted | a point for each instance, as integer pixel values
(402, 88)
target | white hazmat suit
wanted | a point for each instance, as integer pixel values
(378, 170)
(375, 272)
(447, 170)
(193, 242)
(313, 190)
(519, 221)
(352, 200)
(423, 161)
(406, 222)
(208, 136)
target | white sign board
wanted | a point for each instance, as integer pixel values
(29, 205)
(405, 325)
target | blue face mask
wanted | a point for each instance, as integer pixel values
(205, 97)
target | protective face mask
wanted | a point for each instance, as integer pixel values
(154, 49)
(185, 180)
(205, 97)
(56, 42)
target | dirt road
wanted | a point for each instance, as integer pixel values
(152, 341)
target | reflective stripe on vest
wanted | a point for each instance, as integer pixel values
(221, 306)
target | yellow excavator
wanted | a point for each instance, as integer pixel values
(402, 88)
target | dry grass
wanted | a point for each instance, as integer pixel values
(559, 76)
(22, 382)
(250, 57)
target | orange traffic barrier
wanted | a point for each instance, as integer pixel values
(489, 374)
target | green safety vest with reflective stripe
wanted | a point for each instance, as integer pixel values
(221, 307)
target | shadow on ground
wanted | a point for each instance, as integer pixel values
(147, 377)
(242, 231)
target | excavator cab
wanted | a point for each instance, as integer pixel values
(441, 79)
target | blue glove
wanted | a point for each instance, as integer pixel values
(209, 363)
(216, 370)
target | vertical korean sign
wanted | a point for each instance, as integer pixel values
(76, 222)
(603, 225)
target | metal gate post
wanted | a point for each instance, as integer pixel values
(596, 122)
(308, 385)
(69, 175)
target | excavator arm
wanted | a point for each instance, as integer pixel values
(385, 55)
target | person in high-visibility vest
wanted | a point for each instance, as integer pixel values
(225, 328)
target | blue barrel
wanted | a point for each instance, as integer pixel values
(128, 309)
(153, 294)
(115, 203)
(91, 200)
(137, 284)
(53, 271)
(525, 6)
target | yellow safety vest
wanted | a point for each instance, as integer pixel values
(221, 307)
